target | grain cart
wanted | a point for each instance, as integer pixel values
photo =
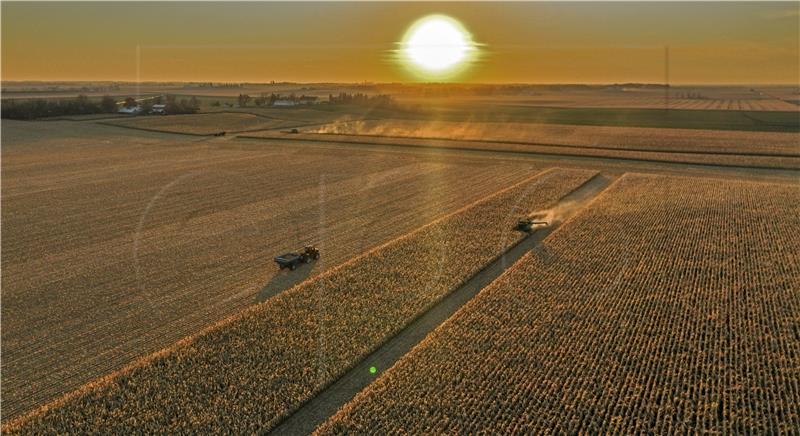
(292, 260)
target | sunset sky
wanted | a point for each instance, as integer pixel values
(540, 42)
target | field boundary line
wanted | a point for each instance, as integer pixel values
(522, 152)
(309, 415)
(18, 421)
(548, 144)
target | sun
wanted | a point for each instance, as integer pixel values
(436, 46)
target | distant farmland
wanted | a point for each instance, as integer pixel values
(723, 158)
(624, 138)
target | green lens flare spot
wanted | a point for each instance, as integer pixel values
(373, 370)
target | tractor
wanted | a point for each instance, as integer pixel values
(292, 259)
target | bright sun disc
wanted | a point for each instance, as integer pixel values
(437, 44)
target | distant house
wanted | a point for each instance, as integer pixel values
(129, 109)
(160, 109)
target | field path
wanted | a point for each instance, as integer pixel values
(337, 394)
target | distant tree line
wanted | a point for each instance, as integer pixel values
(58, 88)
(39, 108)
(213, 85)
(361, 99)
(173, 105)
(17, 109)
(268, 100)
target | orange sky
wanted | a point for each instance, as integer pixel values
(540, 42)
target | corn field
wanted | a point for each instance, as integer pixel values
(246, 373)
(670, 305)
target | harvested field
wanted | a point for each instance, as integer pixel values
(90, 117)
(656, 100)
(245, 374)
(117, 242)
(625, 138)
(733, 99)
(724, 159)
(504, 110)
(205, 124)
(669, 305)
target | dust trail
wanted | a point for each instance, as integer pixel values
(573, 201)
(556, 214)
(466, 129)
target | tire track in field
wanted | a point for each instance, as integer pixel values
(325, 404)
